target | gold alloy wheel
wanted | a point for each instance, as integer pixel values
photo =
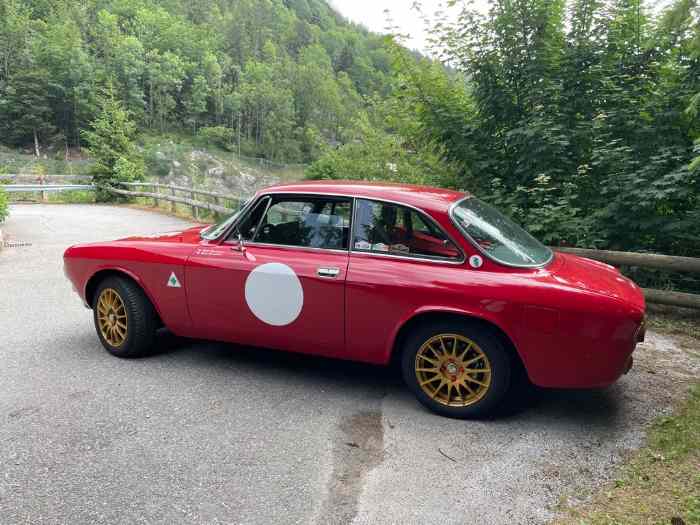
(452, 370)
(111, 317)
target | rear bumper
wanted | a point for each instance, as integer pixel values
(592, 357)
(642, 331)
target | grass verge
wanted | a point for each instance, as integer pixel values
(661, 483)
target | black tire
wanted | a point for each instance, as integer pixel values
(490, 399)
(141, 318)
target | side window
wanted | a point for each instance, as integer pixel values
(383, 227)
(307, 222)
(249, 224)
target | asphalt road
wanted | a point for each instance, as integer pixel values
(213, 433)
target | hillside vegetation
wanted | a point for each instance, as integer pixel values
(580, 118)
(277, 77)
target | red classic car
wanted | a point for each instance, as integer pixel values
(435, 280)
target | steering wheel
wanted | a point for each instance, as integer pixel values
(266, 231)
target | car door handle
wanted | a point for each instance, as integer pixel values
(329, 272)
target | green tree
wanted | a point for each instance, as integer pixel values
(579, 129)
(377, 155)
(27, 101)
(111, 146)
(267, 110)
(17, 28)
(165, 74)
(196, 102)
(60, 50)
(177, 65)
(120, 56)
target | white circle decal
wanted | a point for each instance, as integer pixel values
(274, 294)
(476, 261)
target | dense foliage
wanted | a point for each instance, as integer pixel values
(577, 117)
(110, 142)
(585, 114)
(580, 118)
(277, 77)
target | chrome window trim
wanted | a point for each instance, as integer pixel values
(249, 206)
(415, 258)
(290, 247)
(471, 240)
(270, 197)
(350, 250)
(242, 212)
(424, 216)
(264, 213)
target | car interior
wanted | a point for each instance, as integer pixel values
(324, 222)
(308, 222)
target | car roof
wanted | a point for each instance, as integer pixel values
(423, 197)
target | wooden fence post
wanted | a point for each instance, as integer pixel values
(42, 182)
(195, 210)
(156, 189)
(173, 206)
(217, 202)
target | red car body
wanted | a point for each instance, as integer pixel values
(574, 322)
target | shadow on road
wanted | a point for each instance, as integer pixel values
(597, 408)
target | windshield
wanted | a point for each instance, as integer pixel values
(498, 236)
(215, 230)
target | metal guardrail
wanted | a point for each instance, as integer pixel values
(34, 176)
(40, 188)
(41, 183)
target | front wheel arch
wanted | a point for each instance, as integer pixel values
(94, 282)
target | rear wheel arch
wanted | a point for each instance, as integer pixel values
(464, 340)
(94, 282)
(424, 318)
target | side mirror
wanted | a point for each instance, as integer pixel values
(241, 244)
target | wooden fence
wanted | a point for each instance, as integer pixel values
(649, 260)
(217, 206)
(644, 260)
(222, 204)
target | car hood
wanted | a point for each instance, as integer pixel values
(190, 235)
(597, 277)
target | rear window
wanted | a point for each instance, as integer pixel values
(498, 236)
(383, 227)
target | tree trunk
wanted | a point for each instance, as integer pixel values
(36, 144)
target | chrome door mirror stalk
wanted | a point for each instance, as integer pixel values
(241, 244)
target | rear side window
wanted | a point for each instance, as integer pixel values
(308, 222)
(382, 227)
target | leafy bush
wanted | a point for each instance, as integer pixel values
(3, 205)
(547, 212)
(376, 155)
(218, 135)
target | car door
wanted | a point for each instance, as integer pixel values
(284, 285)
(400, 262)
